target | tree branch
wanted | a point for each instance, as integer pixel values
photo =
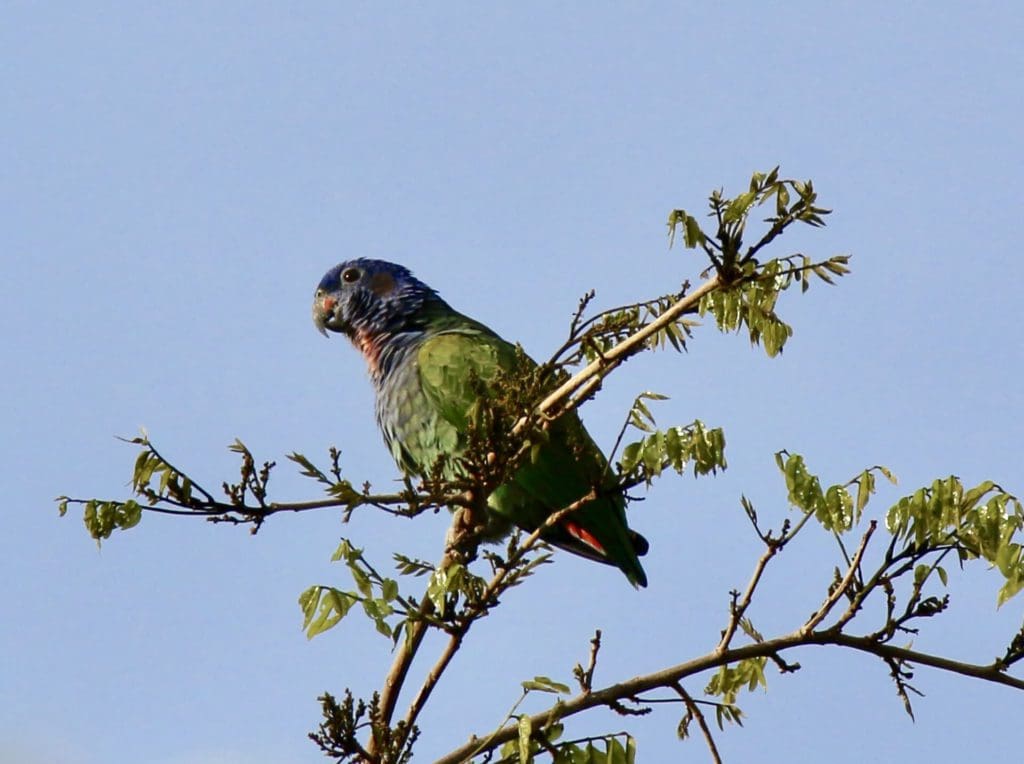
(772, 547)
(694, 709)
(589, 377)
(585, 676)
(395, 679)
(739, 607)
(494, 588)
(990, 672)
(674, 674)
(836, 594)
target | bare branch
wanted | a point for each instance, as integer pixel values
(739, 605)
(496, 585)
(694, 709)
(674, 674)
(989, 673)
(592, 374)
(586, 676)
(395, 679)
(837, 593)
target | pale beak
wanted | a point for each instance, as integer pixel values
(323, 309)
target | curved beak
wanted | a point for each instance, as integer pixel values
(323, 311)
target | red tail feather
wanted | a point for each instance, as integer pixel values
(582, 534)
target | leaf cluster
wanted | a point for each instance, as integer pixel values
(615, 748)
(323, 607)
(676, 448)
(982, 522)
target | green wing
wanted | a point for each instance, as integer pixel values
(425, 405)
(453, 365)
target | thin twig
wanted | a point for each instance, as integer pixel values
(599, 368)
(515, 706)
(739, 605)
(694, 709)
(588, 675)
(158, 455)
(836, 594)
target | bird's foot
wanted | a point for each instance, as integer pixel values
(463, 536)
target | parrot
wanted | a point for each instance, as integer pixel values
(427, 363)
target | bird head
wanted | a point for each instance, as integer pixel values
(366, 298)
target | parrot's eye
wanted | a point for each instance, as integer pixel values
(350, 275)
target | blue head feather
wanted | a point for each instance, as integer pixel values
(366, 298)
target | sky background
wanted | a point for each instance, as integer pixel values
(177, 177)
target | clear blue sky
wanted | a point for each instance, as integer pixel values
(177, 177)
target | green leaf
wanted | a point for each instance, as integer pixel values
(693, 235)
(308, 601)
(343, 552)
(309, 469)
(552, 732)
(837, 264)
(361, 579)
(323, 607)
(616, 752)
(90, 518)
(545, 684)
(378, 610)
(738, 207)
(981, 522)
(972, 496)
(408, 566)
(525, 730)
(130, 515)
(865, 487)
(443, 582)
(782, 200)
(146, 465)
(1010, 589)
(729, 680)
(653, 453)
(165, 477)
(630, 456)
(102, 518)
(139, 476)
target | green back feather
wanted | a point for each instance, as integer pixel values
(458, 358)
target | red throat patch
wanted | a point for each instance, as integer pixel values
(370, 346)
